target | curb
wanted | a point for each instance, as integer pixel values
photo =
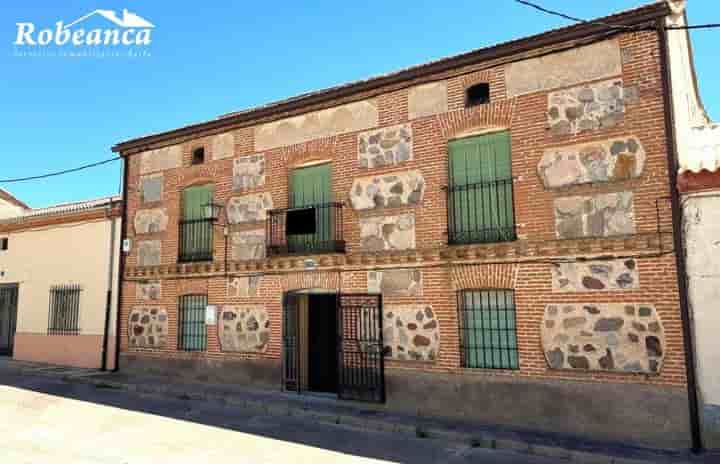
(480, 439)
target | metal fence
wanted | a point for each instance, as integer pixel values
(327, 238)
(64, 311)
(488, 331)
(192, 334)
(481, 212)
(196, 240)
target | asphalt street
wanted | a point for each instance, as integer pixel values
(46, 420)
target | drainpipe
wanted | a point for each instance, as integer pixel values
(121, 271)
(677, 218)
(108, 299)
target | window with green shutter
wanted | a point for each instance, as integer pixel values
(311, 187)
(480, 194)
(192, 334)
(488, 331)
(196, 229)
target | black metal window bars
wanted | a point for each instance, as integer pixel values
(481, 212)
(196, 240)
(192, 334)
(64, 311)
(488, 330)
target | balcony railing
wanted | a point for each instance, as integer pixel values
(283, 238)
(196, 240)
(481, 212)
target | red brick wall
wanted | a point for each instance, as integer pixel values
(525, 116)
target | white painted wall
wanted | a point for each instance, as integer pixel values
(62, 254)
(8, 210)
(698, 143)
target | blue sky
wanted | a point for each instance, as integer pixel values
(213, 57)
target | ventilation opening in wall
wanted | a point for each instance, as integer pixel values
(478, 94)
(198, 156)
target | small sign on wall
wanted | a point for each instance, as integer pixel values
(210, 315)
(126, 245)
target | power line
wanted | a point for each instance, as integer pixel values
(59, 173)
(612, 26)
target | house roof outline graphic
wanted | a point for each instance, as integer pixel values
(128, 20)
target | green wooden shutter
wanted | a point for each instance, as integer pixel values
(481, 200)
(312, 186)
(194, 200)
(197, 232)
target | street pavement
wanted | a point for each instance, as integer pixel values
(45, 420)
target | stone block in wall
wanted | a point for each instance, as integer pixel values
(148, 291)
(619, 337)
(427, 100)
(607, 161)
(248, 245)
(395, 282)
(388, 191)
(593, 276)
(223, 146)
(411, 333)
(387, 232)
(245, 286)
(385, 147)
(148, 221)
(589, 107)
(343, 119)
(602, 215)
(149, 253)
(249, 172)
(249, 208)
(148, 327)
(151, 188)
(161, 159)
(244, 329)
(581, 64)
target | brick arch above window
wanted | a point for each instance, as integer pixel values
(489, 276)
(192, 287)
(478, 118)
(308, 152)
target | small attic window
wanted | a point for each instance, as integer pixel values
(478, 94)
(198, 156)
(3, 243)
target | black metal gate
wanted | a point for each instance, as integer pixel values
(361, 369)
(291, 340)
(8, 317)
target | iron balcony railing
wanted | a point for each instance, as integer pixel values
(327, 236)
(481, 212)
(196, 240)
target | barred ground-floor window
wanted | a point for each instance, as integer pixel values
(192, 334)
(488, 331)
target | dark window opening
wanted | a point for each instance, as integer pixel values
(300, 221)
(3, 243)
(478, 94)
(198, 156)
(64, 313)
(488, 331)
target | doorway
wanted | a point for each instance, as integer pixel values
(332, 343)
(8, 318)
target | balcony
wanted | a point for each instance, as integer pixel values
(481, 212)
(196, 240)
(310, 229)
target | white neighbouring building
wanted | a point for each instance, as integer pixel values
(58, 283)
(698, 146)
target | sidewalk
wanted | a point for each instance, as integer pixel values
(330, 410)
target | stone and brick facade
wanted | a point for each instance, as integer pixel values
(592, 268)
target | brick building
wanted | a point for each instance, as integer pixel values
(486, 237)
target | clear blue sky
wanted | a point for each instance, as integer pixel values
(214, 57)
